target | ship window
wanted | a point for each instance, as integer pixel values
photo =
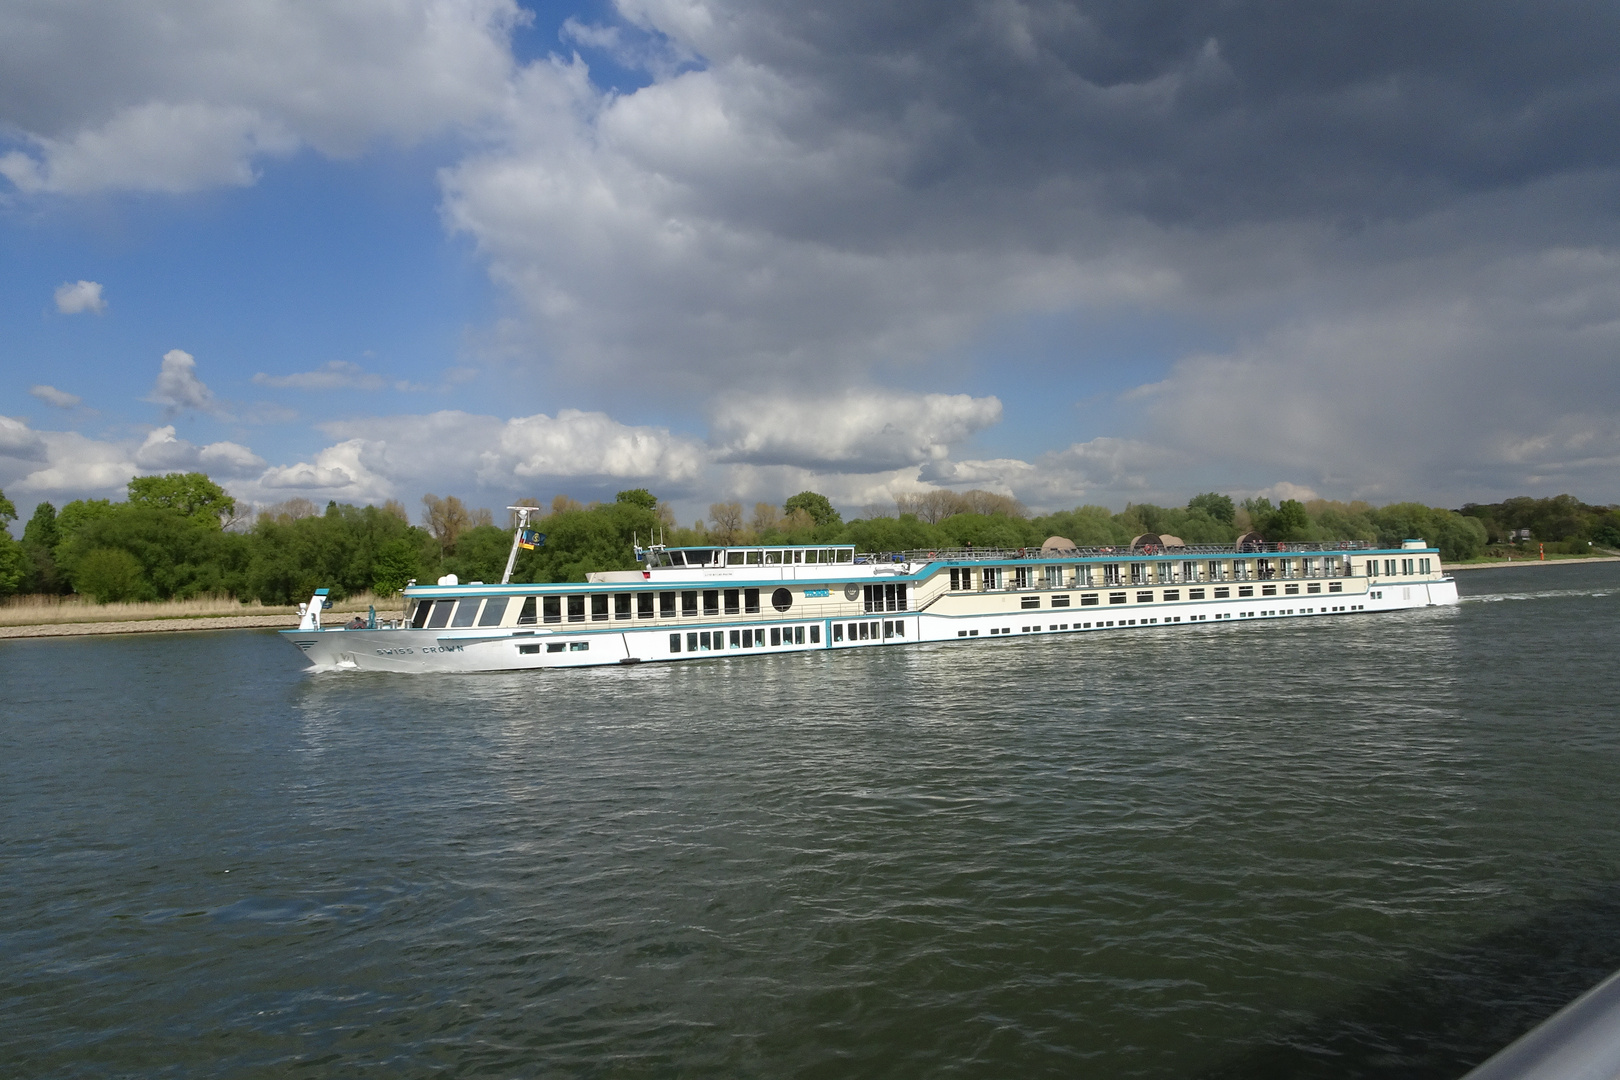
(703, 641)
(1111, 574)
(733, 601)
(1172, 594)
(734, 558)
(1290, 590)
(1222, 594)
(677, 558)
(1423, 566)
(644, 605)
(599, 607)
(1406, 566)
(815, 635)
(1088, 599)
(1334, 586)
(441, 614)
(1029, 601)
(992, 577)
(621, 605)
(526, 616)
(1195, 594)
(1116, 598)
(419, 617)
(576, 609)
(666, 605)
(759, 637)
(776, 635)
(711, 601)
(526, 649)
(798, 635)
(552, 607)
(798, 556)
(1138, 573)
(736, 639)
(674, 643)
(1313, 587)
(466, 612)
(773, 558)
(1266, 590)
(751, 601)
(781, 599)
(754, 557)
(838, 631)
(1021, 577)
(1144, 597)
(1246, 590)
(689, 602)
(846, 555)
(579, 646)
(961, 579)
(555, 646)
(494, 611)
(1060, 601)
(866, 631)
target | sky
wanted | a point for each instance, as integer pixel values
(1074, 252)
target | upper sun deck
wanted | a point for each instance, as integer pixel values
(659, 558)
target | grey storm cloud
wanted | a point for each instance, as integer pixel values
(1195, 112)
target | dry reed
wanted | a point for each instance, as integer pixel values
(44, 610)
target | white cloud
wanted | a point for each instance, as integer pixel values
(870, 430)
(19, 441)
(172, 96)
(178, 388)
(576, 443)
(163, 451)
(50, 395)
(72, 297)
(334, 375)
(338, 472)
(75, 466)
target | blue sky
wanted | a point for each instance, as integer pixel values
(1079, 253)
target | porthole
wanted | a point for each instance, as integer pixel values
(781, 599)
(852, 591)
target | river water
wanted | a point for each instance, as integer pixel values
(1360, 846)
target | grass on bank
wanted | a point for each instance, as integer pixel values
(50, 610)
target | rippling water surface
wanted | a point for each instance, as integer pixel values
(1362, 846)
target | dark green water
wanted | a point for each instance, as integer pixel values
(1367, 846)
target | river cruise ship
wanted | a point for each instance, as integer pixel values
(700, 603)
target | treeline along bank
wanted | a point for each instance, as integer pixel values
(178, 535)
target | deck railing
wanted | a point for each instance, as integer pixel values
(976, 554)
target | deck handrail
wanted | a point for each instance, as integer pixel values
(975, 554)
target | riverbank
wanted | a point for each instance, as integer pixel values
(26, 617)
(149, 626)
(1567, 560)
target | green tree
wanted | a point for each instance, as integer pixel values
(638, 497)
(819, 507)
(179, 555)
(39, 540)
(1288, 522)
(111, 575)
(1218, 507)
(12, 562)
(481, 554)
(191, 495)
(398, 562)
(581, 541)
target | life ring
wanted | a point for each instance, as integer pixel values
(1020, 553)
